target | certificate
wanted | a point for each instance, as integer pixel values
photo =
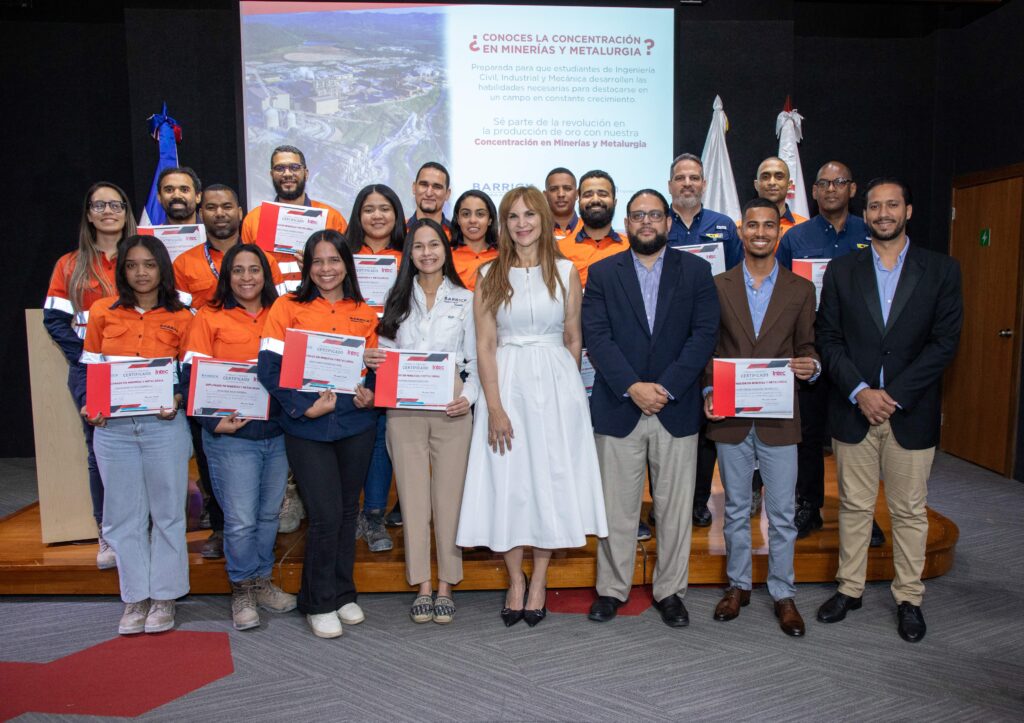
(221, 388)
(415, 380)
(177, 239)
(313, 361)
(713, 253)
(587, 372)
(376, 275)
(284, 228)
(814, 271)
(129, 388)
(753, 388)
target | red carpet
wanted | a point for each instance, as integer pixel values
(127, 676)
(578, 601)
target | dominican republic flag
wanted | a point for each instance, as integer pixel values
(167, 133)
(789, 131)
(720, 192)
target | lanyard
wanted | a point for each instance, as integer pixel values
(209, 260)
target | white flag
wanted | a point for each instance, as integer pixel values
(789, 132)
(720, 192)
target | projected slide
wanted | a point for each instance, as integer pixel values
(499, 94)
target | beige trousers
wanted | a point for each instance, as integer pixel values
(905, 472)
(673, 464)
(429, 451)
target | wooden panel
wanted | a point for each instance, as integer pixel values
(28, 567)
(61, 464)
(980, 391)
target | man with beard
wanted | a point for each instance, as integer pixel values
(834, 232)
(430, 192)
(178, 190)
(649, 318)
(196, 272)
(288, 173)
(560, 192)
(888, 327)
(772, 183)
(692, 223)
(767, 313)
(596, 240)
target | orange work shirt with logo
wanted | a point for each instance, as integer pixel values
(58, 295)
(195, 281)
(118, 331)
(468, 262)
(584, 251)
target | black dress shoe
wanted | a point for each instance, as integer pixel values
(673, 612)
(807, 520)
(910, 622)
(532, 617)
(510, 616)
(834, 609)
(701, 516)
(877, 536)
(604, 609)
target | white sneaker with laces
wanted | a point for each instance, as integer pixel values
(325, 625)
(133, 620)
(161, 616)
(351, 614)
(105, 557)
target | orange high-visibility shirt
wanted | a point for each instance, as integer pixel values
(226, 333)
(58, 295)
(584, 251)
(195, 280)
(468, 262)
(290, 269)
(118, 331)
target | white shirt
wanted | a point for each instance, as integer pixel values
(448, 326)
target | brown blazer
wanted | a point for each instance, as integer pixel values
(786, 332)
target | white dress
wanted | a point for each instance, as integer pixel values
(545, 492)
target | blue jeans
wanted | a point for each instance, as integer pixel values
(378, 478)
(249, 477)
(778, 470)
(144, 464)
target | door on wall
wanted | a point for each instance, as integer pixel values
(980, 393)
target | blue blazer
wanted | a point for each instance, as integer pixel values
(623, 350)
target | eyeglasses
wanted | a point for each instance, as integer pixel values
(283, 167)
(839, 183)
(115, 206)
(638, 216)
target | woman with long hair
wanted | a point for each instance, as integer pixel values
(143, 460)
(377, 228)
(80, 278)
(475, 237)
(328, 436)
(248, 465)
(532, 478)
(429, 309)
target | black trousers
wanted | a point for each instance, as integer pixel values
(213, 508)
(810, 457)
(332, 475)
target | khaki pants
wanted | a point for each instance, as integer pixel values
(624, 461)
(905, 472)
(429, 451)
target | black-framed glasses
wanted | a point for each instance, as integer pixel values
(839, 183)
(283, 167)
(115, 206)
(639, 216)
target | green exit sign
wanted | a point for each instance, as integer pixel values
(985, 236)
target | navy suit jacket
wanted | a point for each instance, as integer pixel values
(623, 349)
(915, 345)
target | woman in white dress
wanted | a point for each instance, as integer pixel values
(533, 478)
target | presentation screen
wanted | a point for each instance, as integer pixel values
(499, 94)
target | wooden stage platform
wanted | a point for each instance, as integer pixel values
(28, 567)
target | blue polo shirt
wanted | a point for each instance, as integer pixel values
(817, 239)
(708, 227)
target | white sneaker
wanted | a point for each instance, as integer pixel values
(161, 616)
(325, 625)
(351, 614)
(105, 558)
(133, 620)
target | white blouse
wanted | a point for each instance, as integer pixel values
(448, 326)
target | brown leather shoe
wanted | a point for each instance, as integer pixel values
(789, 619)
(729, 606)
